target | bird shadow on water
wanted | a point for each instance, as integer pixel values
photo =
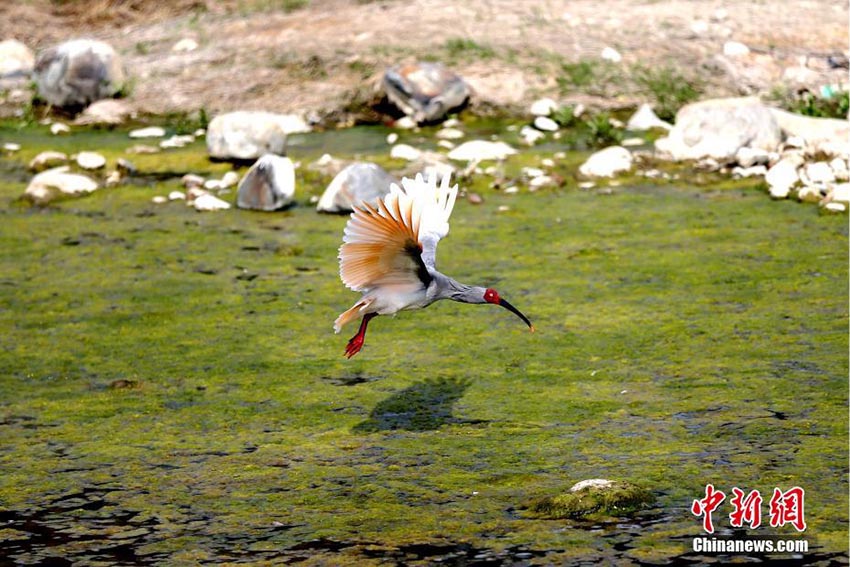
(423, 406)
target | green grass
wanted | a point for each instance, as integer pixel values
(170, 381)
(667, 87)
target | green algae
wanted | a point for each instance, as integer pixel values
(181, 369)
(616, 499)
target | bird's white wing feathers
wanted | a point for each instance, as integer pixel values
(434, 204)
(386, 246)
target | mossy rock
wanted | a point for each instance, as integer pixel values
(593, 498)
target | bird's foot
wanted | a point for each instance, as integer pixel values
(354, 345)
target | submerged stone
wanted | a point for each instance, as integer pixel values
(594, 497)
(269, 184)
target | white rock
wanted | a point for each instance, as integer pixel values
(16, 60)
(720, 14)
(841, 193)
(547, 162)
(531, 135)
(209, 202)
(269, 185)
(587, 185)
(809, 194)
(212, 184)
(718, 128)
(546, 124)
(645, 118)
(405, 123)
(108, 112)
(193, 193)
(58, 128)
(612, 55)
(177, 196)
(607, 162)
(57, 182)
(699, 27)
(392, 138)
(479, 150)
(819, 173)
(358, 183)
(192, 180)
(248, 134)
(230, 179)
(149, 132)
(406, 152)
(591, 483)
(835, 207)
(90, 160)
(78, 72)
(11, 147)
(449, 134)
(781, 177)
(177, 141)
(840, 169)
(754, 171)
(748, 157)
(46, 160)
(185, 45)
(113, 179)
(159, 199)
(540, 181)
(830, 135)
(735, 49)
(446, 144)
(543, 107)
(532, 172)
(511, 190)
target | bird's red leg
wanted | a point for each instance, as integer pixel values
(356, 342)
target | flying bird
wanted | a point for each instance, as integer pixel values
(389, 251)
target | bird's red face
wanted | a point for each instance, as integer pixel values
(491, 296)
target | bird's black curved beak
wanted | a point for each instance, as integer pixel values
(517, 312)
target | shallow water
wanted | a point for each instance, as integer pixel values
(173, 393)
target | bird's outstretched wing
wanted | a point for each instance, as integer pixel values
(391, 244)
(434, 204)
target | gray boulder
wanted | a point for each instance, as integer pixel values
(425, 91)
(78, 72)
(718, 128)
(359, 182)
(269, 184)
(251, 134)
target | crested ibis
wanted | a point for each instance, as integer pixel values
(388, 254)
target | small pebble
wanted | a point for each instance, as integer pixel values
(11, 147)
(149, 132)
(58, 128)
(192, 180)
(475, 198)
(176, 196)
(392, 138)
(159, 199)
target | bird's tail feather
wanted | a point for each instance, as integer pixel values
(349, 314)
